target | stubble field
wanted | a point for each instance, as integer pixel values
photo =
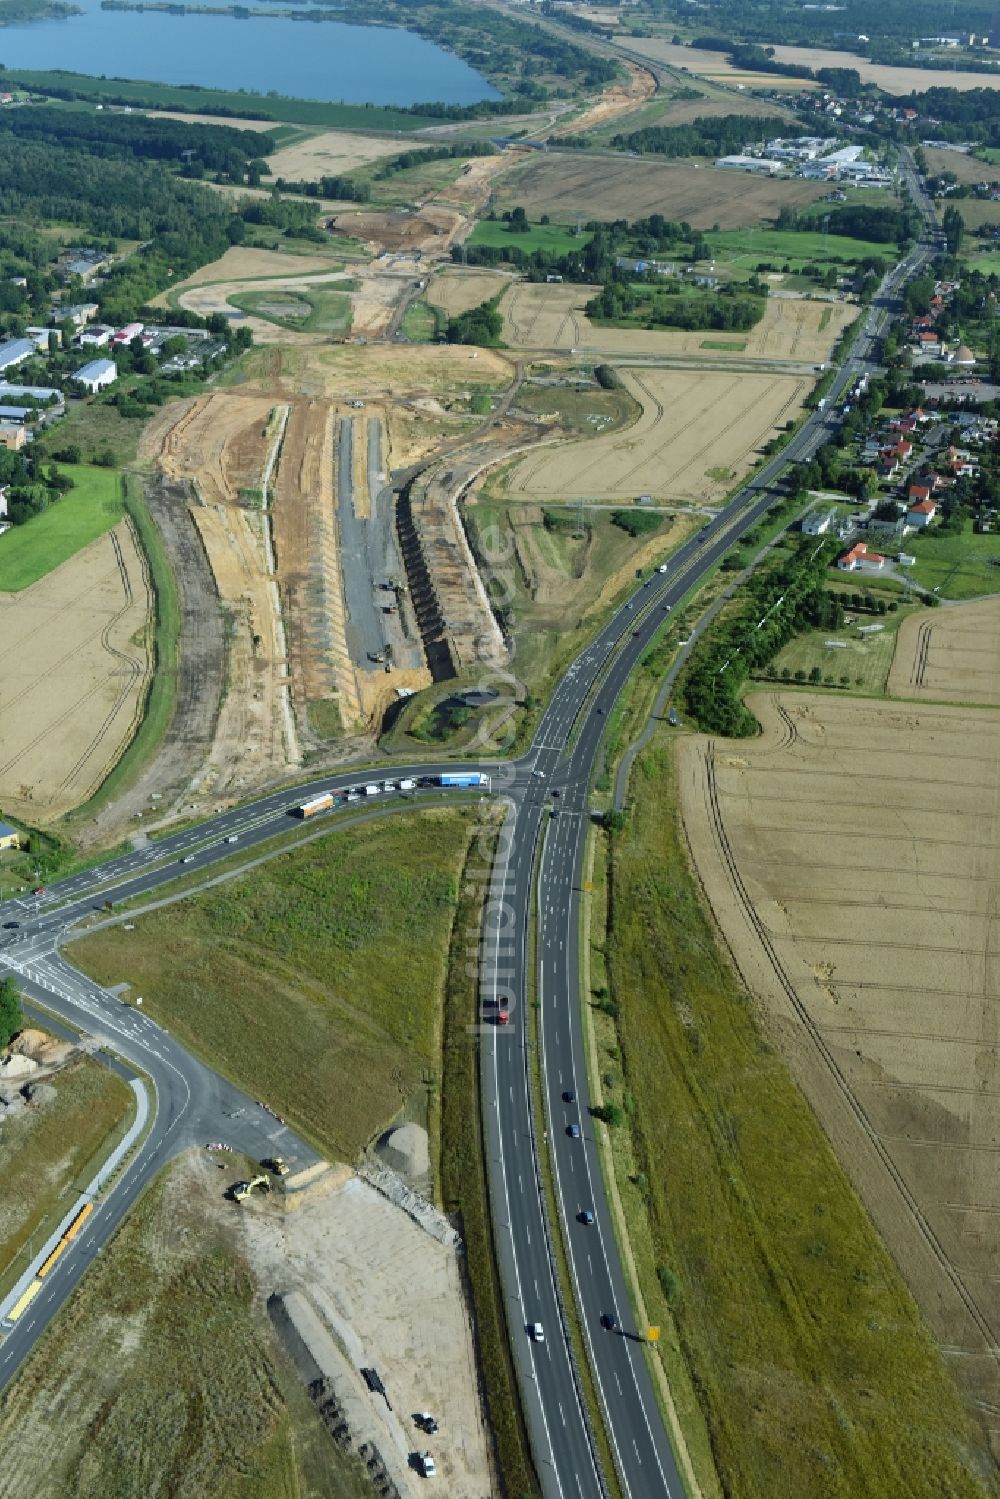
(458, 291)
(603, 188)
(849, 855)
(950, 656)
(697, 433)
(541, 316)
(73, 675)
(328, 154)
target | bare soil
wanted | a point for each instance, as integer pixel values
(432, 230)
(697, 433)
(855, 881)
(618, 100)
(566, 187)
(73, 676)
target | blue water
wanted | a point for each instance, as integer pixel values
(305, 59)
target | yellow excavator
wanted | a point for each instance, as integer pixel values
(242, 1190)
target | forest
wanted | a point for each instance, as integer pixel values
(213, 148)
(670, 303)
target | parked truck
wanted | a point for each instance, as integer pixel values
(463, 778)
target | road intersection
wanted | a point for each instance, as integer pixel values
(529, 953)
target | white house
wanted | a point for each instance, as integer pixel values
(818, 522)
(858, 559)
(95, 337)
(921, 514)
(95, 375)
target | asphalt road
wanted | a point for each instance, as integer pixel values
(194, 1104)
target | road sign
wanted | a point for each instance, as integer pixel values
(588, 884)
(653, 1335)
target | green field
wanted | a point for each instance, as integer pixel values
(49, 1154)
(314, 981)
(960, 566)
(194, 100)
(987, 263)
(305, 309)
(814, 1372)
(727, 345)
(745, 248)
(551, 237)
(30, 551)
(422, 323)
(181, 1387)
(863, 660)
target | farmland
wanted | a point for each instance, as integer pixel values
(540, 316)
(746, 248)
(811, 1367)
(92, 507)
(329, 153)
(315, 980)
(950, 655)
(50, 1152)
(599, 187)
(870, 948)
(457, 291)
(697, 433)
(73, 672)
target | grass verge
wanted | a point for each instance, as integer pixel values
(49, 1152)
(161, 694)
(313, 980)
(180, 1386)
(463, 1176)
(814, 1371)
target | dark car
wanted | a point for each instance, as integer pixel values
(609, 1321)
(11, 926)
(636, 633)
(569, 1096)
(573, 1130)
(586, 1217)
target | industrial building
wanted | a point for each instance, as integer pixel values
(749, 164)
(9, 837)
(13, 437)
(15, 351)
(97, 374)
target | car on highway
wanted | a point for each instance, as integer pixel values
(188, 859)
(637, 633)
(569, 1096)
(586, 1217)
(610, 1322)
(11, 926)
(232, 837)
(573, 1130)
(38, 890)
(536, 1332)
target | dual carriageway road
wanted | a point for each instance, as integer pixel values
(535, 894)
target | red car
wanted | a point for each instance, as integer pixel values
(38, 890)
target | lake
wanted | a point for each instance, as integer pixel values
(306, 59)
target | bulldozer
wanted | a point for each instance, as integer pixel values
(275, 1165)
(242, 1190)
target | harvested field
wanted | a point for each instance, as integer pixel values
(231, 121)
(220, 444)
(73, 676)
(542, 316)
(459, 291)
(566, 187)
(872, 948)
(329, 154)
(432, 230)
(697, 433)
(950, 655)
(244, 264)
(968, 169)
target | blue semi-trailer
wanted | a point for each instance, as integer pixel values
(463, 778)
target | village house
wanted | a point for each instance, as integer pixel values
(858, 559)
(920, 514)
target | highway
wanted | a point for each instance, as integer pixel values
(529, 950)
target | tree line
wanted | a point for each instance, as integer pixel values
(706, 136)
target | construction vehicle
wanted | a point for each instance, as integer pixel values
(242, 1190)
(276, 1165)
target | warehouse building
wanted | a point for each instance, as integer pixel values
(15, 351)
(97, 374)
